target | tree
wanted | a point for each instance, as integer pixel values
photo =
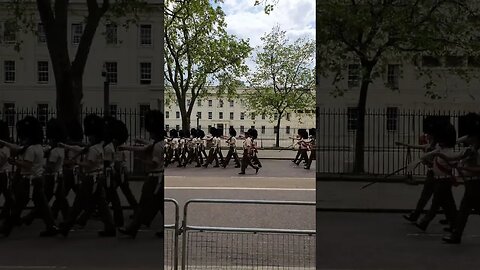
(371, 32)
(54, 17)
(283, 80)
(199, 53)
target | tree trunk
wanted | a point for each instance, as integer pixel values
(186, 122)
(69, 98)
(277, 136)
(360, 132)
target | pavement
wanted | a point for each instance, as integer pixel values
(367, 225)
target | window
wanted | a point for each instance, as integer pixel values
(288, 116)
(210, 115)
(113, 110)
(231, 116)
(263, 130)
(199, 115)
(9, 113)
(393, 76)
(220, 103)
(111, 68)
(111, 34)
(252, 115)
(242, 129)
(287, 129)
(145, 73)
(42, 71)
(353, 75)
(392, 118)
(167, 114)
(263, 116)
(41, 36)
(9, 69)
(220, 115)
(199, 103)
(177, 115)
(431, 61)
(210, 103)
(42, 113)
(231, 103)
(454, 61)
(144, 108)
(145, 34)
(9, 32)
(352, 118)
(77, 31)
(242, 116)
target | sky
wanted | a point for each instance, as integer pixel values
(244, 20)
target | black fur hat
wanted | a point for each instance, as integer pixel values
(56, 131)
(187, 133)
(94, 126)
(30, 128)
(193, 132)
(181, 133)
(120, 133)
(469, 124)
(254, 133)
(74, 131)
(154, 122)
(232, 131)
(173, 133)
(447, 135)
(433, 124)
(213, 131)
(200, 133)
(312, 132)
(4, 131)
(109, 129)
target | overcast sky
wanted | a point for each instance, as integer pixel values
(297, 17)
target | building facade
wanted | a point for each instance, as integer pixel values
(132, 58)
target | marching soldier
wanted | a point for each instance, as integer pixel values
(5, 171)
(92, 190)
(311, 148)
(151, 201)
(211, 145)
(232, 149)
(255, 159)
(247, 153)
(303, 146)
(30, 172)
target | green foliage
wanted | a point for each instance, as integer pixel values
(267, 4)
(283, 80)
(374, 33)
(199, 53)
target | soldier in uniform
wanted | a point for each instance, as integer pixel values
(232, 149)
(311, 148)
(443, 171)
(255, 159)
(151, 201)
(211, 145)
(92, 190)
(469, 169)
(5, 171)
(247, 153)
(30, 172)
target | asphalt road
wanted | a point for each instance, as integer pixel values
(277, 180)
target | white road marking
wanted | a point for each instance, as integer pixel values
(31, 267)
(239, 188)
(241, 177)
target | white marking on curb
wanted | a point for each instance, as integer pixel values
(239, 188)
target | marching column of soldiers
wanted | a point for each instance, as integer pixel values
(446, 169)
(183, 148)
(46, 171)
(305, 142)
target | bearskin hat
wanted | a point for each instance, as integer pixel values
(173, 133)
(312, 132)
(4, 131)
(30, 128)
(447, 135)
(433, 124)
(181, 133)
(94, 126)
(120, 132)
(154, 122)
(56, 131)
(187, 133)
(193, 132)
(232, 131)
(109, 128)
(213, 131)
(469, 124)
(74, 131)
(254, 133)
(200, 133)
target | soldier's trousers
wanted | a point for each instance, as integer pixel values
(232, 152)
(21, 186)
(6, 191)
(470, 201)
(442, 198)
(91, 194)
(246, 161)
(151, 202)
(313, 156)
(427, 192)
(211, 156)
(67, 183)
(53, 187)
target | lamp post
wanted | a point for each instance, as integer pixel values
(106, 92)
(198, 120)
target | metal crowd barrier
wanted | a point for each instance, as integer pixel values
(171, 238)
(247, 248)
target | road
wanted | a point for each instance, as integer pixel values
(278, 180)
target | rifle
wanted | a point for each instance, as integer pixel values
(388, 175)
